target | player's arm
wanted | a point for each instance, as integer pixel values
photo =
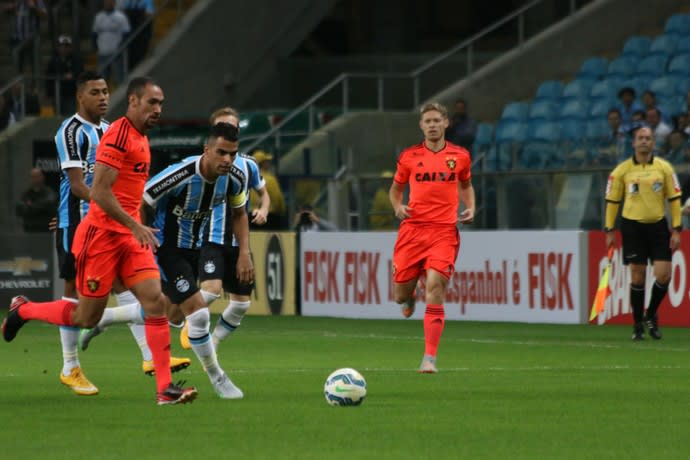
(76, 183)
(395, 194)
(102, 194)
(466, 190)
(240, 228)
(260, 215)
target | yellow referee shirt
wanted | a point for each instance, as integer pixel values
(645, 187)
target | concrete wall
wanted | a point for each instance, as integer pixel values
(221, 52)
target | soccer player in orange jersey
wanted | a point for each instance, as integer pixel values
(438, 174)
(111, 241)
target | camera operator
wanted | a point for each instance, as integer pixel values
(306, 220)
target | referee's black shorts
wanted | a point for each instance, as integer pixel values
(645, 242)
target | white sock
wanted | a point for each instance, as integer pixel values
(199, 325)
(229, 320)
(130, 313)
(138, 330)
(209, 297)
(69, 339)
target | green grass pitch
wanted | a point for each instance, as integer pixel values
(504, 391)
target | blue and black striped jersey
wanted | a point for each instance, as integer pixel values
(76, 141)
(184, 200)
(220, 229)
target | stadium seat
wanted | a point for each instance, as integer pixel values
(678, 24)
(665, 86)
(544, 131)
(663, 45)
(537, 155)
(515, 111)
(606, 88)
(543, 110)
(623, 67)
(673, 105)
(510, 132)
(680, 65)
(593, 68)
(578, 89)
(636, 46)
(652, 66)
(600, 107)
(485, 134)
(683, 46)
(596, 129)
(683, 87)
(575, 109)
(550, 89)
(572, 130)
(639, 85)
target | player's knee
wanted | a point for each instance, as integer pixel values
(435, 291)
(401, 297)
(211, 287)
(86, 319)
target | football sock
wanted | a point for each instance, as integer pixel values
(658, 293)
(434, 320)
(69, 337)
(158, 338)
(130, 313)
(637, 302)
(57, 312)
(199, 325)
(229, 320)
(138, 330)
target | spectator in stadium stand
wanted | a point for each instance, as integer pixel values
(660, 128)
(628, 106)
(677, 142)
(462, 129)
(645, 182)
(38, 204)
(110, 26)
(65, 66)
(650, 102)
(138, 12)
(26, 29)
(29, 105)
(276, 219)
(685, 127)
(306, 220)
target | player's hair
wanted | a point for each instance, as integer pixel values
(137, 84)
(223, 112)
(87, 76)
(440, 108)
(224, 130)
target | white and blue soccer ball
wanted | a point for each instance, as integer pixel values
(345, 387)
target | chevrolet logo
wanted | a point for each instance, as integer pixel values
(22, 266)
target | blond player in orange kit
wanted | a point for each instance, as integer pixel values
(438, 174)
(111, 242)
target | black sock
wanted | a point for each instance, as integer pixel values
(658, 293)
(637, 302)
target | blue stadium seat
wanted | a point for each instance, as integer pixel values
(593, 68)
(550, 89)
(511, 131)
(663, 45)
(665, 86)
(485, 134)
(544, 131)
(572, 130)
(678, 24)
(596, 128)
(680, 65)
(683, 87)
(606, 88)
(578, 89)
(644, 81)
(636, 46)
(673, 105)
(623, 67)
(639, 85)
(600, 107)
(575, 109)
(543, 110)
(683, 46)
(652, 66)
(515, 111)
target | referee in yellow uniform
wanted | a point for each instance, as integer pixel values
(644, 183)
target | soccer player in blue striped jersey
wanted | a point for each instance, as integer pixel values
(76, 141)
(221, 251)
(183, 196)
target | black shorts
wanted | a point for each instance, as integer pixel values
(63, 245)
(219, 262)
(179, 272)
(645, 242)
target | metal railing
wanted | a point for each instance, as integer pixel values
(345, 81)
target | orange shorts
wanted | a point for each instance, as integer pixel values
(102, 255)
(421, 247)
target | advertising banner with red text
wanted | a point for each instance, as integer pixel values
(674, 310)
(530, 276)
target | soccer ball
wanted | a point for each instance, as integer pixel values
(345, 387)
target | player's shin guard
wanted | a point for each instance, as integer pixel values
(637, 302)
(199, 325)
(158, 338)
(658, 293)
(434, 320)
(229, 320)
(58, 312)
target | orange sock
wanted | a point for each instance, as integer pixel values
(158, 338)
(434, 320)
(57, 312)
